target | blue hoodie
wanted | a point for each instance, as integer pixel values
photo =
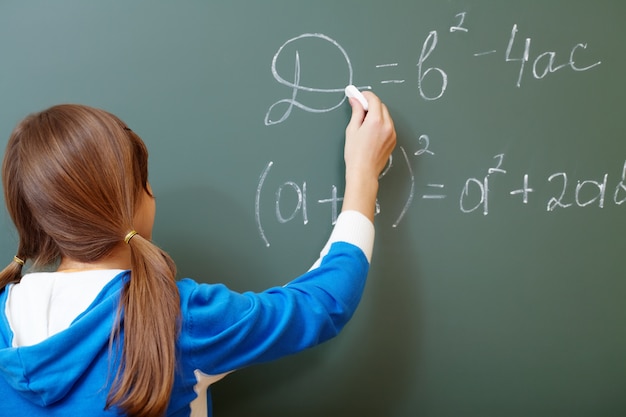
(70, 372)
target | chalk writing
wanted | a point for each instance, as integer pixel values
(560, 200)
(300, 202)
(426, 148)
(524, 191)
(483, 188)
(474, 194)
(459, 27)
(296, 87)
(257, 203)
(434, 196)
(409, 200)
(392, 81)
(429, 46)
(543, 64)
(621, 188)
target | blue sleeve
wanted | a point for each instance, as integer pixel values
(224, 330)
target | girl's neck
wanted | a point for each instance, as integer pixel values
(119, 258)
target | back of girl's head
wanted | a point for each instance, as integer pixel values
(71, 176)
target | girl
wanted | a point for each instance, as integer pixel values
(110, 331)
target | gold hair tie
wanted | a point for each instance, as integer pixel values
(18, 260)
(129, 236)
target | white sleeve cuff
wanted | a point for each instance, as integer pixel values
(354, 228)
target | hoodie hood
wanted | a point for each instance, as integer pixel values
(45, 373)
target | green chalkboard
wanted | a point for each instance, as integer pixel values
(498, 285)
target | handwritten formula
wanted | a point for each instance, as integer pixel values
(471, 195)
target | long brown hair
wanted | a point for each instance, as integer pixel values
(72, 178)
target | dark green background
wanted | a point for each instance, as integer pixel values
(519, 312)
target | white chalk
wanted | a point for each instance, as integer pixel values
(353, 92)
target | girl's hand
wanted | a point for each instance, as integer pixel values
(370, 139)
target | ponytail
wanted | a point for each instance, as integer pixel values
(12, 273)
(149, 318)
